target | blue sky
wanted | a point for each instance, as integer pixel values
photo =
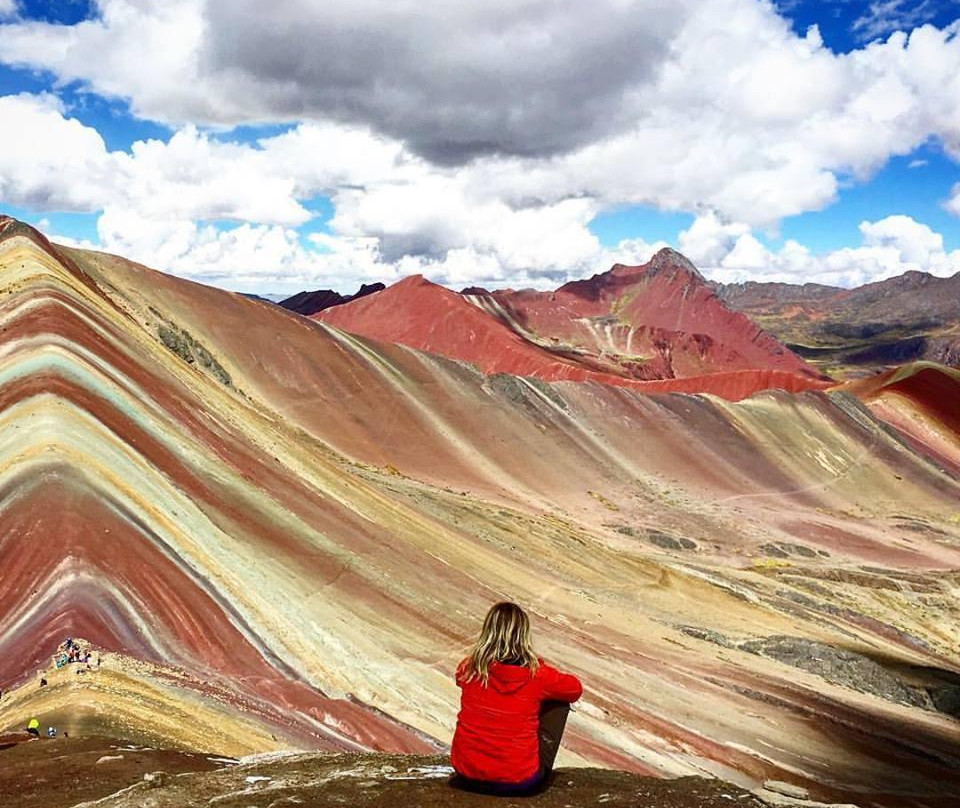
(280, 185)
(846, 25)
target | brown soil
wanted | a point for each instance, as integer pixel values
(64, 772)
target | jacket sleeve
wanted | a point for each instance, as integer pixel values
(558, 686)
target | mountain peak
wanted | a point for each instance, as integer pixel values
(10, 227)
(668, 258)
(309, 303)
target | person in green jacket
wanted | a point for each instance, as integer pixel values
(33, 727)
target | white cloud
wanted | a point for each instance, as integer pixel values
(520, 77)
(8, 8)
(432, 214)
(916, 243)
(395, 214)
(953, 203)
(47, 161)
(453, 79)
(261, 258)
(156, 197)
(718, 109)
(245, 257)
(890, 247)
(50, 161)
(883, 17)
(139, 49)
(709, 239)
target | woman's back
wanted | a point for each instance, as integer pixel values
(497, 729)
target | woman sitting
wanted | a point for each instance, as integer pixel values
(513, 708)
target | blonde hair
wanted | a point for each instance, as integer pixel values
(505, 636)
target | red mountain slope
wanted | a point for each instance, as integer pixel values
(424, 315)
(659, 320)
(643, 327)
(921, 400)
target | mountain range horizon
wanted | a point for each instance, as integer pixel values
(809, 286)
(817, 321)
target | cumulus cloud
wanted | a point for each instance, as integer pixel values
(51, 161)
(890, 247)
(48, 161)
(394, 214)
(267, 253)
(261, 258)
(953, 203)
(453, 79)
(709, 239)
(471, 141)
(7, 8)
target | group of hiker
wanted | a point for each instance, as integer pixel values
(71, 651)
(33, 728)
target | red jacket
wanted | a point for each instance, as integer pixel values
(496, 736)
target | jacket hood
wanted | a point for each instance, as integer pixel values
(508, 678)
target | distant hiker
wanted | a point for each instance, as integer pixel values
(51, 732)
(43, 681)
(513, 708)
(33, 727)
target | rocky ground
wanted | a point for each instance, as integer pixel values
(70, 773)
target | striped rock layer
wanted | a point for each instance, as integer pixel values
(285, 535)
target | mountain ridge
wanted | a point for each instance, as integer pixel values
(849, 332)
(910, 317)
(309, 303)
(628, 326)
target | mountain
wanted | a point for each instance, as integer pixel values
(280, 535)
(308, 303)
(856, 332)
(654, 328)
(920, 399)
